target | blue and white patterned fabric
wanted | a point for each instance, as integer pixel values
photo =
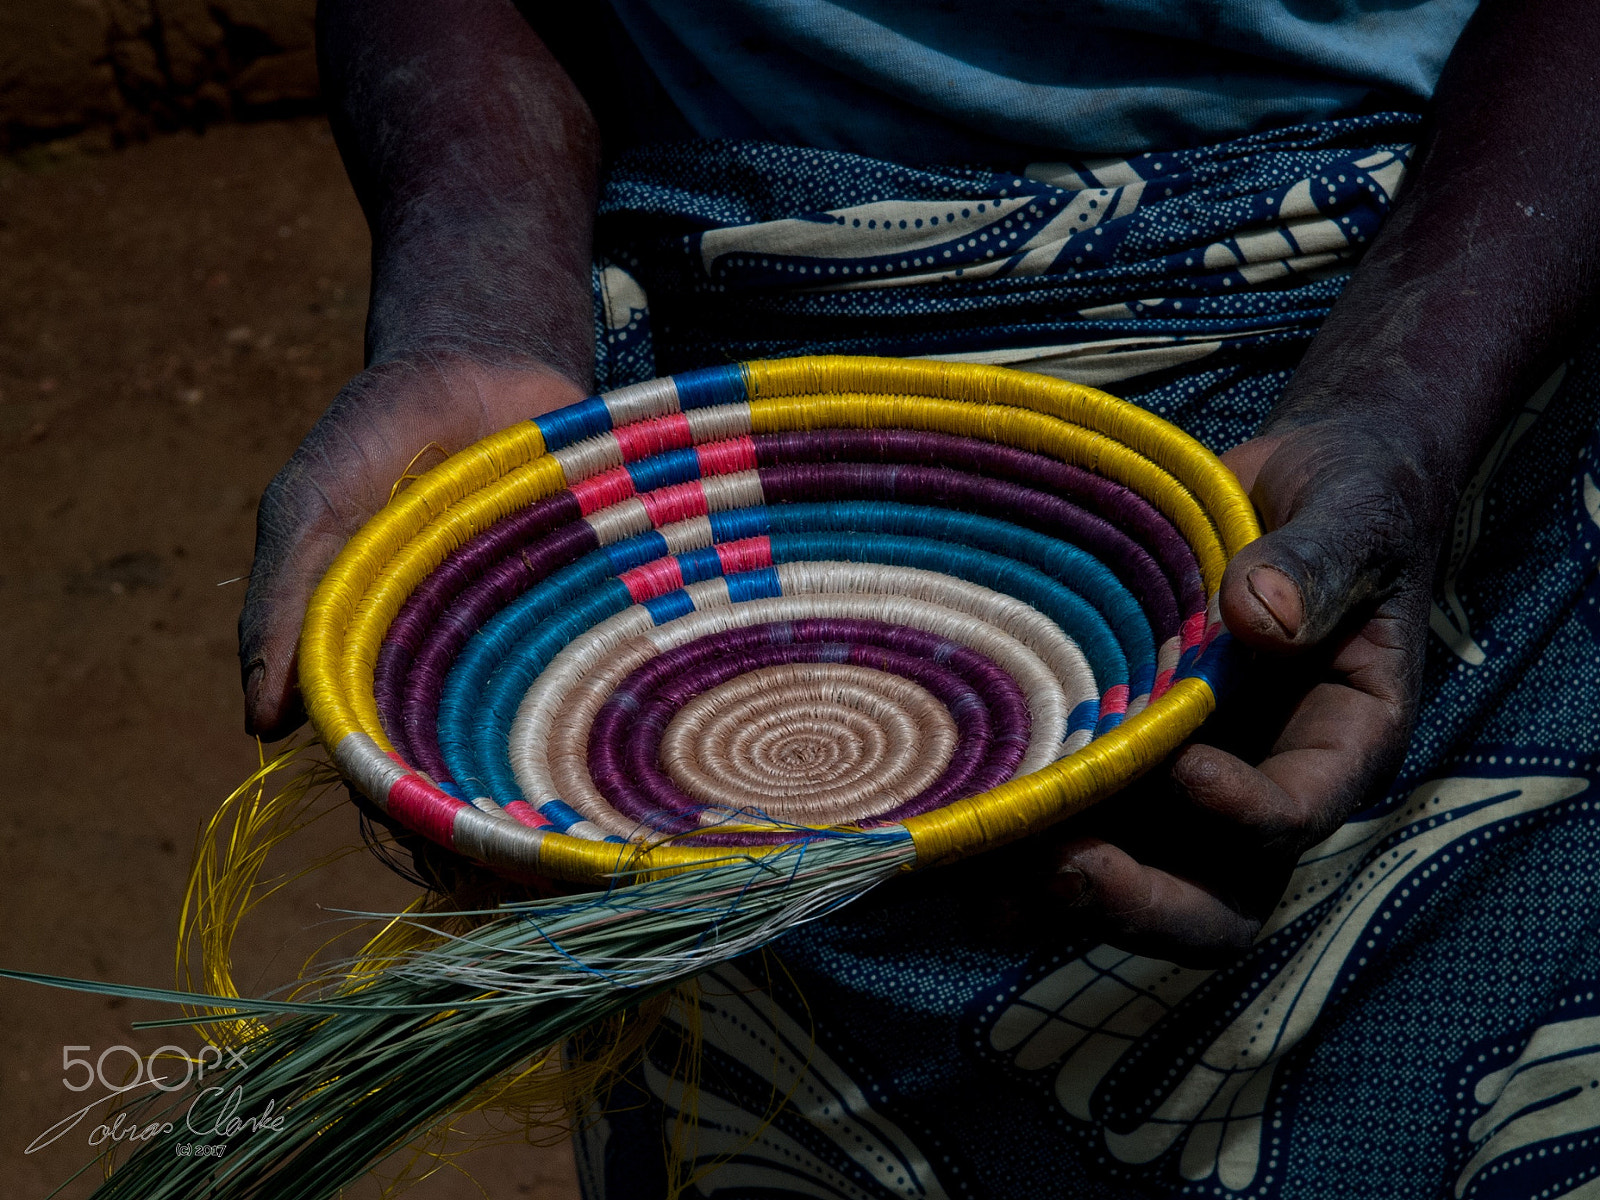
(1421, 1018)
(1216, 264)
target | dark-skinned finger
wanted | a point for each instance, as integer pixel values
(1256, 810)
(1207, 801)
(1337, 744)
(321, 496)
(1290, 589)
(1235, 828)
(1240, 853)
(1339, 741)
(1145, 909)
(1347, 518)
(1244, 823)
(1347, 736)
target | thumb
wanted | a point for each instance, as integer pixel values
(374, 433)
(1341, 531)
(300, 525)
(338, 477)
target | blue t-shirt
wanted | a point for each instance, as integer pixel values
(974, 80)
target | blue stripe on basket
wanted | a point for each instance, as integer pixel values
(663, 470)
(754, 585)
(1084, 715)
(711, 386)
(1141, 679)
(561, 815)
(1218, 665)
(738, 523)
(573, 423)
(696, 565)
(635, 551)
(669, 606)
(499, 664)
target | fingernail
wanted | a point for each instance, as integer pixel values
(1279, 595)
(1069, 884)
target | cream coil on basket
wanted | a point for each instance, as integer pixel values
(726, 612)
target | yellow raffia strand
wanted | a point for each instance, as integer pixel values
(580, 860)
(683, 1140)
(411, 474)
(367, 585)
(541, 1101)
(683, 1143)
(225, 878)
(225, 885)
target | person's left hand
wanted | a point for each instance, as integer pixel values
(1334, 599)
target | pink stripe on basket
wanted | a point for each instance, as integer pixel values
(526, 814)
(1114, 701)
(653, 579)
(678, 502)
(746, 554)
(1193, 630)
(724, 458)
(423, 807)
(603, 490)
(644, 438)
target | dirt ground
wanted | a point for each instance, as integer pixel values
(173, 317)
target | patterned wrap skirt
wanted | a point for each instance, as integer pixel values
(1421, 1015)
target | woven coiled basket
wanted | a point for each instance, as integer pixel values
(737, 609)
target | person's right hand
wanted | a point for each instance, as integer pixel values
(1188, 865)
(344, 472)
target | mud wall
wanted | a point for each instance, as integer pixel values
(115, 70)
